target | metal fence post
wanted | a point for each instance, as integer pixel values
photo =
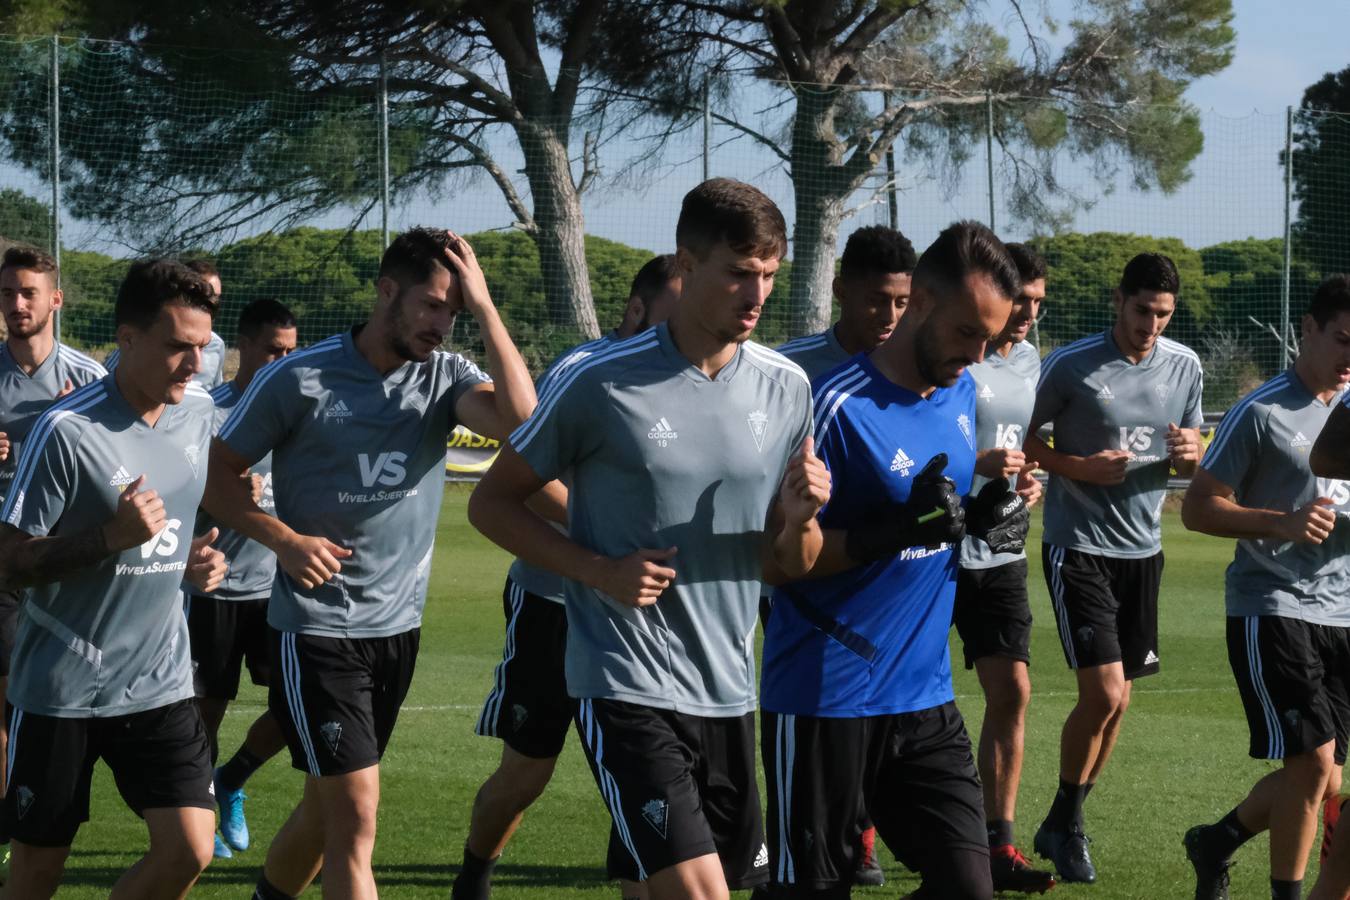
(1288, 249)
(989, 152)
(707, 132)
(54, 132)
(384, 150)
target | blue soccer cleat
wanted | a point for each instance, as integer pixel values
(222, 850)
(233, 825)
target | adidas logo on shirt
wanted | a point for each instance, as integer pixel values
(986, 393)
(121, 478)
(338, 410)
(1105, 394)
(1299, 440)
(662, 433)
(902, 463)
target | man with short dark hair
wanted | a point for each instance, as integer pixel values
(859, 711)
(35, 370)
(1286, 594)
(528, 707)
(101, 665)
(356, 425)
(689, 451)
(872, 289)
(993, 612)
(228, 626)
(212, 372)
(1126, 408)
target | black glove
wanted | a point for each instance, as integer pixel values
(932, 515)
(999, 516)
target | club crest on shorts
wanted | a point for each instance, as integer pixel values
(759, 426)
(331, 732)
(518, 716)
(656, 813)
(25, 800)
(1085, 634)
(192, 453)
(963, 422)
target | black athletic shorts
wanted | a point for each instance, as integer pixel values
(677, 787)
(160, 758)
(226, 634)
(914, 772)
(1294, 679)
(528, 707)
(1106, 608)
(992, 612)
(337, 699)
(9, 624)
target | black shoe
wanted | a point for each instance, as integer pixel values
(1012, 871)
(1068, 850)
(868, 873)
(1211, 874)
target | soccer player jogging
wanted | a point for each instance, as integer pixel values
(528, 707)
(34, 371)
(1126, 407)
(872, 289)
(1287, 604)
(356, 425)
(689, 451)
(993, 612)
(229, 625)
(859, 710)
(101, 665)
(212, 372)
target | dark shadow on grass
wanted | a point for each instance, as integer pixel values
(395, 874)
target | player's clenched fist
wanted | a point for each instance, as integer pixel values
(139, 517)
(311, 561)
(1310, 524)
(4, 446)
(639, 578)
(1028, 485)
(806, 485)
(1000, 462)
(206, 566)
(1104, 467)
(1183, 444)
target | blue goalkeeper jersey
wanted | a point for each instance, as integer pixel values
(872, 640)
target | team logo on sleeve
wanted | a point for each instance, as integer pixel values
(901, 463)
(759, 426)
(963, 422)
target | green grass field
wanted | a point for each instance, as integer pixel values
(1182, 758)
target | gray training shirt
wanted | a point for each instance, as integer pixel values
(816, 353)
(109, 639)
(532, 579)
(212, 373)
(252, 566)
(661, 455)
(1099, 400)
(359, 458)
(24, 397)
(1260, 450)
(1005, 391)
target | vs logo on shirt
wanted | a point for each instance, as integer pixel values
(165, 543)
(386, 468)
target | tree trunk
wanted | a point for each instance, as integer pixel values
(819, 205)
(560, 231)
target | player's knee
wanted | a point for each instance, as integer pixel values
(523, 778)
(1010, 697)
(1312, 771)
(36, 871)
(181, 860)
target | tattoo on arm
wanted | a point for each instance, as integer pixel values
(40, 560)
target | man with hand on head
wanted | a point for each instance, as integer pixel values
(1126, 409)
(356, 425)
(689, 452)
(993, 612)
(859, 710)
(101, 665)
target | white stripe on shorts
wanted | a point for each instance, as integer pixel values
(1275, 744)
(609, 788)
(290, 677)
